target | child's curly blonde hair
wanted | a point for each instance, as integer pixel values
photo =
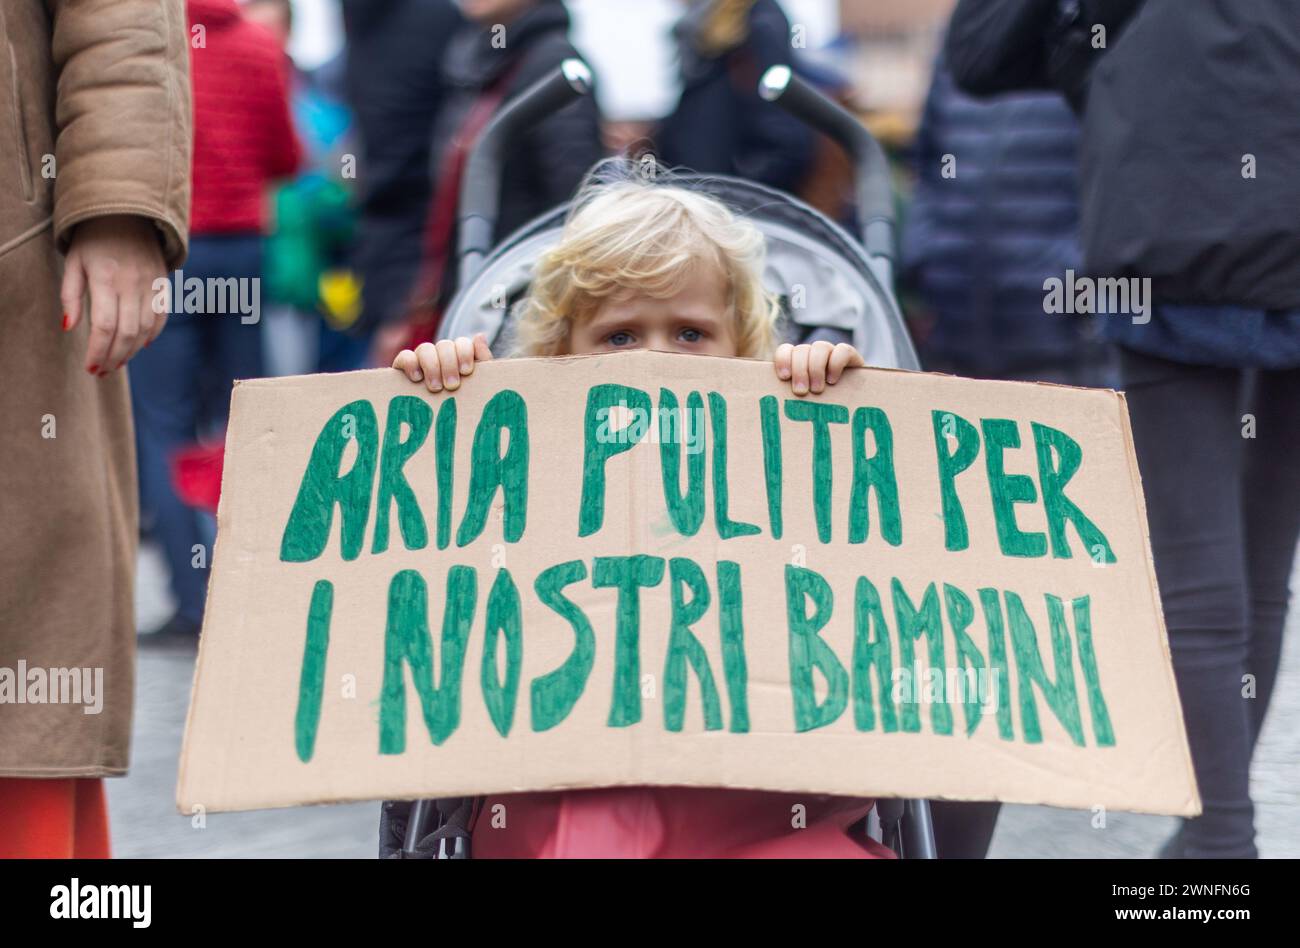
(636, 236)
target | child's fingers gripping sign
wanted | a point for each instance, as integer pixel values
(842, 356)
(443, 364)
(811, 367)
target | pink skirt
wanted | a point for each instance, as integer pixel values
(672, 823)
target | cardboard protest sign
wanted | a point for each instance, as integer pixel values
(645, 568)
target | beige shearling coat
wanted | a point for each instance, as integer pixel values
(94, 120)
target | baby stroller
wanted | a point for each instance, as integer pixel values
(832, 286)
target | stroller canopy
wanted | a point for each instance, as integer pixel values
(829, 287)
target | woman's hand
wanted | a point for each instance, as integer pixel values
(117, 258)
(443, 364)
(810, 368)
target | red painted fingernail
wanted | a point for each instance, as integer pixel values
(93, 370)
(66, 320)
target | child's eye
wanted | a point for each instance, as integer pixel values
(691, 335)
(620, 338)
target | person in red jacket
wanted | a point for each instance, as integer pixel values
(243, 141)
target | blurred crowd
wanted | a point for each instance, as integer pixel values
(339, 188)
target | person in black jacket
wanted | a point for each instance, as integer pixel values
(505, 48)
(721, 125)
(508, 46)
(394, 87)
(1188, 158)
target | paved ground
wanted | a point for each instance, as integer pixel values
(145, 822)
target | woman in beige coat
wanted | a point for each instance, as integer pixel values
(94, 203)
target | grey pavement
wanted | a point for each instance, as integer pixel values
(145, 822)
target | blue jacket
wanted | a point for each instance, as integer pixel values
(989, 225)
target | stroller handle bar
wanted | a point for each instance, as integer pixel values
(875, 199)
(480, 190)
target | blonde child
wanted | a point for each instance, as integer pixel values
(641, 265)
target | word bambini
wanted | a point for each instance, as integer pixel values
(23, 685)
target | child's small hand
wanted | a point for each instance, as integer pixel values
(810, 368)
(444, 363)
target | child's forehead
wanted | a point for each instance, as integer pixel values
(701, 278)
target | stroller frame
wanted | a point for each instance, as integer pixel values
(903, 825)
